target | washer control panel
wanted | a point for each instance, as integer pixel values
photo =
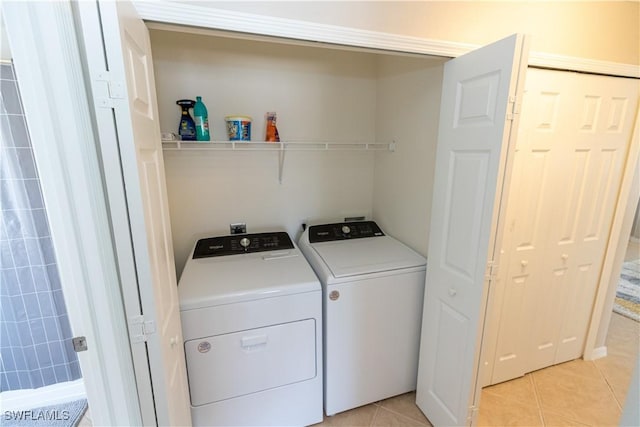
(241, 244)
(343, 231)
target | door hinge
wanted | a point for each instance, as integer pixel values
(492, 270)
(79, 344)
(472, 414)
(513, 107)
(139, 329)
(115, 90)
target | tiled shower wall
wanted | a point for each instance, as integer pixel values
(35, 337)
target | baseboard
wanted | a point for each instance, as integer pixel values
(599, 352)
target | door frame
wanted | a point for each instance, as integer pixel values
(47, 60)
(204, 19)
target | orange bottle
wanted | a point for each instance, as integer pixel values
(272, 131)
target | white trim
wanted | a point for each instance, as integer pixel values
(50, 74)
(598, 353)
(561, 62)
(206, 17)
(171, 12)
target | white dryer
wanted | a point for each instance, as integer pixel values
(251, 313)
(373, 288)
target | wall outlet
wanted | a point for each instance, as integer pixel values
(238, 228)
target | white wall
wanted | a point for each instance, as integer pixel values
(317, 93)
(603, 30)
(408, 110)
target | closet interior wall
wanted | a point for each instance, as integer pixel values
(319, 94)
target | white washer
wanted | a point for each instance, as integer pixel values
(373, 288)
(251, 312)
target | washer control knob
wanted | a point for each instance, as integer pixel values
(346, 229)
(244, 242)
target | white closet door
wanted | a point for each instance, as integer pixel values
(474, 140)
(604, 115)
(127, 118)
(570, 155)
(529, 212)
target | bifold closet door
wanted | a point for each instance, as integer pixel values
(574, 138)
(120, 70)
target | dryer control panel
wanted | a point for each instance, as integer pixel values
(241, 244)
(343, 231)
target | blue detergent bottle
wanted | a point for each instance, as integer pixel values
(186, 127)
(202, 120)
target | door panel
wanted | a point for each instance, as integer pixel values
(453, 332)
(473, 142)
(573, 194)
(465, 190)
(476, 99)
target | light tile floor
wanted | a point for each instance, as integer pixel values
(633, 251)
(396, 411)
(575, 393)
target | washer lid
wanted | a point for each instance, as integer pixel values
(347, 258)
(214, 281)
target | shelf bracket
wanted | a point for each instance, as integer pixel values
(280, 164)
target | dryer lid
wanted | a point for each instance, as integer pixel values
(348, 258)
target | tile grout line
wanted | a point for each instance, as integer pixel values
(373, 420)
(609, 386)
(570, 417)
(401, 414)
(536, 395)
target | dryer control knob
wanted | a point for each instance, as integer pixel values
(244, 242)
(346, 229)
